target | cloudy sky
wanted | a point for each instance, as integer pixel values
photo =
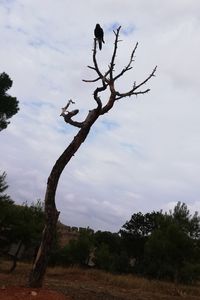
(142, 156)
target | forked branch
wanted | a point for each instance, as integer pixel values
(134, 90)
(67, 115)
(108, 82)
(128, 67)
(109, 79)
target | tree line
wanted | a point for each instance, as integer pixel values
(161, 245)
(19, 222)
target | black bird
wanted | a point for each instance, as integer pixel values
(98, 32)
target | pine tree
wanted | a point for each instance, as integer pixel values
(8, 104)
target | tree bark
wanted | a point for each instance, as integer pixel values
(51, 214)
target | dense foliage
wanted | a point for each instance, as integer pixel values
(8, 104)
(165, 245)
(19, 222)
(157, 245)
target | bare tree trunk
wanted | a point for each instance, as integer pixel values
(15, 258)
(39, 268)
(51, 214)
(108, 79)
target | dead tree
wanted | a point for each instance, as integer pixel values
(107, 82)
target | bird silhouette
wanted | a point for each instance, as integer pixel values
(98, 32)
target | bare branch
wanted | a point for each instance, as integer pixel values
(128, 67)
(135, 87)
(98, 78)
(89, 80)
(111, 100)
(64, 109)
(97, 91)
(115, 95)
(96, 67)
(147, 79)
(112, 63)
(129, 94)
(69, 115)
(93, 68)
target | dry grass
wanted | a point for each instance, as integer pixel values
(127, 282)
(94, 284)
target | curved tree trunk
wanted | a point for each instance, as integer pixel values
(108, 79)
(51, 214)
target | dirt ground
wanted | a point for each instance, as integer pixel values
(80, 284)
(22, 293)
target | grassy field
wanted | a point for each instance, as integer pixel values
(93, 284)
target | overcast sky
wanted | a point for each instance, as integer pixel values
(142, 156)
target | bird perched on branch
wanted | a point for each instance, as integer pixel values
(98, 32)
